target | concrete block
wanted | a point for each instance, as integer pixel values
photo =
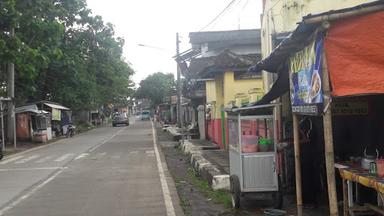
(204, 168)
(220, 182)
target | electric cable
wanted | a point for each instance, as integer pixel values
(222, 12)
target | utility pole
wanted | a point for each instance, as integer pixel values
(11, 132)
(179, 120)
(2, 121)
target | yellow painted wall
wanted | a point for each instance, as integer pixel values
(219, 95)
(210, 89)
(283, 16)
(223, 91)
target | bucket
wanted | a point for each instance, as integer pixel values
(265, 145)
(274, 212)
(380, 167)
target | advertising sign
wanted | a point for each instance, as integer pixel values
(56, 114)
(305, 80)
(350, 108)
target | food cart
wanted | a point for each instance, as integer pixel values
(252, 153)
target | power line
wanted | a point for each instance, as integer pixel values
(246, 3)
(214, 19)
(227, 11)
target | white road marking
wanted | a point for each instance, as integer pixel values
(64, 157)
(44, 159)
(133, 152)
(105, 141)
(163, 181)
(82, 156)
(27, 159)
(116, 157)
(11, 159)
(32, 169)
(150, 153)
(102, 154)
(37, 187)
(28, 194)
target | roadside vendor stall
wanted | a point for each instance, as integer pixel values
(252, 153)
(329, 57)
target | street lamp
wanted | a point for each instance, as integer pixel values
(150, 46)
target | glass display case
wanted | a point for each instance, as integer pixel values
(252, 152)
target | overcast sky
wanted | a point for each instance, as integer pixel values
(154, 23)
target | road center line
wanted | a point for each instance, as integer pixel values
(105, 141)
(163, 181)
(29, 193)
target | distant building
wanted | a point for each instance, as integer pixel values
(216, 67)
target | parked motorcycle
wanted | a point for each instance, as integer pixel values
(71, 130)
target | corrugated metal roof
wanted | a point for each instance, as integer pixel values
(295, 42)
(227, 60)
(217, 36)
(56, 106)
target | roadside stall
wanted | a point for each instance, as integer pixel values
(334, 62)
(61, 117)
(252, 153)
(32, 124)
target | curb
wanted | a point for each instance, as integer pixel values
(208, 171)
(174, 133)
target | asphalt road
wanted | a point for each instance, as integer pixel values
(106, 171)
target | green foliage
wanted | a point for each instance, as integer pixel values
(218, 196)
(157, 87)
(62, 53)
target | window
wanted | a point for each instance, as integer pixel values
(39, 123)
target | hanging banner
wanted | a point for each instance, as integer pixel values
(305, 80)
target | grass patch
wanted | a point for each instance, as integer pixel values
(84, 126)
(219, 196)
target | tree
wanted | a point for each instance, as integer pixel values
(62, 53)
(156, 87)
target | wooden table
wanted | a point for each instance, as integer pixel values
(354, 174)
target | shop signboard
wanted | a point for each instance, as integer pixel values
(56, 114)
(354, 108)
(305, 80)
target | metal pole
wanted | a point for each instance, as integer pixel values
(179, 120)
(2, 126)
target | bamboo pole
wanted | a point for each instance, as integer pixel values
(345, 198)
(296, 143)
(328, 139)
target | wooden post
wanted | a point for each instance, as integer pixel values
(328, 139)
(296, 143)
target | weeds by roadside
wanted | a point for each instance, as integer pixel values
(218, 196)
